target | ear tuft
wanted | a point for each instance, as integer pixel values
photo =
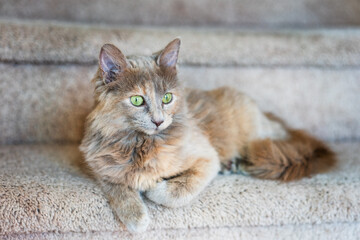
(169, 55)
(111, 62)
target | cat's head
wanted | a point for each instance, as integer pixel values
(141, 92)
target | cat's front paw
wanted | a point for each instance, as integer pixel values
(169, 194)
(134, 216)
(158, 194)
(138, 224)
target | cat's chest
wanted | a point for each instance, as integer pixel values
(148, 168)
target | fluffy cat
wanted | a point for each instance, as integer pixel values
(149, 135)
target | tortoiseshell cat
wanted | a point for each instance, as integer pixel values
(147, 134)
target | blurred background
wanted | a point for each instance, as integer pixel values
(299, 59)
(210, 13)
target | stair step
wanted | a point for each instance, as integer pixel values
(48, 103)
(239, 13)
(44, 190)
(54, 42)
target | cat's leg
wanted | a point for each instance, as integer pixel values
(180, 190)
(128, 206)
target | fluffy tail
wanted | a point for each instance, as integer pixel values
(290, 159)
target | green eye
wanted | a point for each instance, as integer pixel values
(137, 100)
(167, 98)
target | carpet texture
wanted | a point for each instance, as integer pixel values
(44, 189)
(324, 231)
(323, 101)
(39, 42)
(229, 13)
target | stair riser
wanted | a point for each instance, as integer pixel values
(48, 103)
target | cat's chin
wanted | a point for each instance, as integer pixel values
(152, 131)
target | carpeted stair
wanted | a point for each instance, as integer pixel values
(308, 76)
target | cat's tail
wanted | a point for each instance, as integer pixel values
(298, 156)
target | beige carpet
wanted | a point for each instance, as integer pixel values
(54, 42)
(322, 101)
(224, 13)
(325, 231)
(43, 190)
(314, 72)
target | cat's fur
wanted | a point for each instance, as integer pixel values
(201, 131)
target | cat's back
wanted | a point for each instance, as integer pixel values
(223, 114)
(219, 103)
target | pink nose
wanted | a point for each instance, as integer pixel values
(157, 123)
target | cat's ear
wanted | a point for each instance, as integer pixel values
(168, 57)
(111, 62)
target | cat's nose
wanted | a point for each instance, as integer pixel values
(157, 123)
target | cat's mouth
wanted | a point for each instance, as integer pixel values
(157, 128)
(155, 131)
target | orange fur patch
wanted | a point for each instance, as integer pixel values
(291, 159)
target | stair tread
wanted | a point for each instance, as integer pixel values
(45, 184)
(268, 13)
(55, 42)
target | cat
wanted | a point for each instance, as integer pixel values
(148, 135)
